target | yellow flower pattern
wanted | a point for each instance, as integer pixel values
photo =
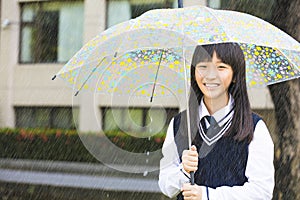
(127, 57)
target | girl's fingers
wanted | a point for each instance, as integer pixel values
(190, 163)
(190, 159)
(186, 186)
(193, 154)
(193, 148)
(190, 169)
(193, 158)
(188, 194)
(189, 153)
(191, 191)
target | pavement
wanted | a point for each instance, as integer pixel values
(78, 175)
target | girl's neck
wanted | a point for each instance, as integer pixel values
(213, 105)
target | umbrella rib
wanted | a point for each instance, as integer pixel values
(287, 58)
(156, 75)
(224, 29)
(92, 72)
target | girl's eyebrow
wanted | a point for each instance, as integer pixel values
(202, 63)
(208, 62)
(221, 62)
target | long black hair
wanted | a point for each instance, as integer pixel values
(229, 53)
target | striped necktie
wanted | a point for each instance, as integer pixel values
(213, 128)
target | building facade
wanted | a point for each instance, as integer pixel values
(39, 37)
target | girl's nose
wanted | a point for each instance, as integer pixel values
(212, 72)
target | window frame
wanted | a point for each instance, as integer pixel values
(34, 110)
(165, 4)
(145, 110)
(23, 24)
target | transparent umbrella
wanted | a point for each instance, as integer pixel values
(155, 49)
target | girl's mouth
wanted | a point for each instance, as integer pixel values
(211, 85)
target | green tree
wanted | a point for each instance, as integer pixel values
(286, 96)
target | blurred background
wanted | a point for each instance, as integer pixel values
(41, 154)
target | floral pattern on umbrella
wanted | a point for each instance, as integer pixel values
(131, 51)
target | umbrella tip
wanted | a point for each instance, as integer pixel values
(76, 93)
(53, 77)
(151, 99)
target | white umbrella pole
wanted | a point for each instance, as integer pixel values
(187, 105)
(187, 111)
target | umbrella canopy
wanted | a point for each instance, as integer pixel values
(165, 38)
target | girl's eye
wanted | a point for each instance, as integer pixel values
(201, 66)
(222, 67)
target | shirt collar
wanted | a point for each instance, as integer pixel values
(220, 114)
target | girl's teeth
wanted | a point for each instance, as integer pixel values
(211, 85)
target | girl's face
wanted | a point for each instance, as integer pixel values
(214, 78)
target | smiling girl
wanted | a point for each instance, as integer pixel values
(232, 151)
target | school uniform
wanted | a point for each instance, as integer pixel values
(227, 169)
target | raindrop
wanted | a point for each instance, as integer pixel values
(148, 153)
(147, 160)
(145, 173)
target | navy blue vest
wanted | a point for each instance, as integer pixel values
(224, 165)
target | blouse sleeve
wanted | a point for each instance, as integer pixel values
(171, 176)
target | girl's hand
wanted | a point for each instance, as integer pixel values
(190, 159)
(191, 192)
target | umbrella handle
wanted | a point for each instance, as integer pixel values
(192, 180)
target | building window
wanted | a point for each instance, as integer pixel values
(51, 32)
(121, 10)
(46, 117)
(137, 120)
(214, 4)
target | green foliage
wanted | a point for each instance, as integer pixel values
(65, 145)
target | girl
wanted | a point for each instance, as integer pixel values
(232, 151)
